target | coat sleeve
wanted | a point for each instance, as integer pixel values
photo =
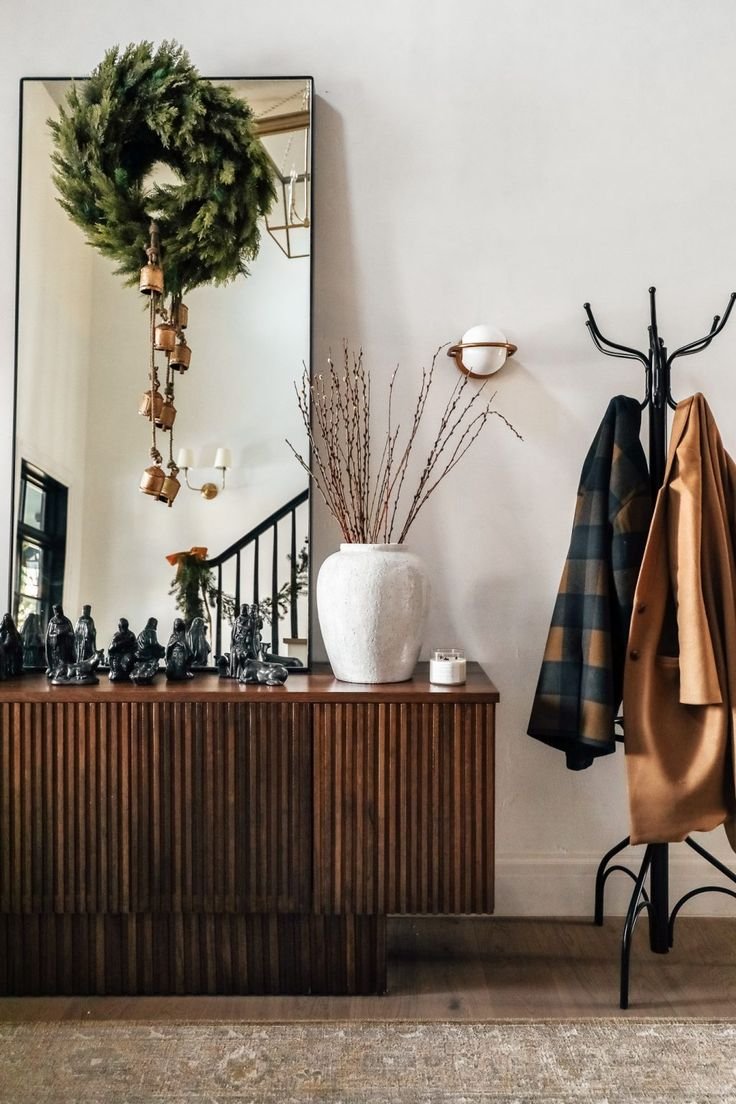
(699, 684)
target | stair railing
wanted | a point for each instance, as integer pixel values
(255, 538)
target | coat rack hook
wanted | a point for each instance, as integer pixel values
(704, 342)
(624, 351)
(653, 315)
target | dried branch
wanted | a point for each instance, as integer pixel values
(365, 501)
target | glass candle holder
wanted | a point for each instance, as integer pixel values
(447, 667)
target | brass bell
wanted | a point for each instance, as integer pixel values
(180, 315)
(145, 405)
(181, 356)
(170, 489)
(164, 338)
(152, 280)
(153, 480)
(166, 416)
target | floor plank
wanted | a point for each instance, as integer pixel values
(475, 969)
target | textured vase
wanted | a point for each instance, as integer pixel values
(372, 603)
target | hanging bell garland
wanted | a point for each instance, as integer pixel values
(152, 480)
(151, 401)
(152, 275)
(170, 487)
(179, 315)
(167, 416)
(181, 357)
(164, 338)
(166, 335)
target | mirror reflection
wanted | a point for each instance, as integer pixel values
(83, 532)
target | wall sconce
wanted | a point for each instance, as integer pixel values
(481, 351)
(223, 461)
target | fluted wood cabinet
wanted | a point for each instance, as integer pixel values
(217, 838)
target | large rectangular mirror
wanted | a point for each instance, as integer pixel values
(83, 534)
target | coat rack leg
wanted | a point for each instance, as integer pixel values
(659, 896)
(637, 903)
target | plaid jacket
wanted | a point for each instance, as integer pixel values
(581, 681)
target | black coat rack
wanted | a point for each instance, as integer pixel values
(655, 863)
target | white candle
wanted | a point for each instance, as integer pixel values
(223, 458)
(447, 667)
(185, 458)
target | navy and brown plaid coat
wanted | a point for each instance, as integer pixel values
(581, 681)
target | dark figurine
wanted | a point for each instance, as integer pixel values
(148, 646)
(12, 645)
(77, 674)
(253, 668)
(148, 653)
(272, 674)
(60, 644)
(241, 648)
(179, 658)
(85, 635)
(144, 671)
(32, 636)
(121, 652)
(198, 643)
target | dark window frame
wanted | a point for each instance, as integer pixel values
(51, 538)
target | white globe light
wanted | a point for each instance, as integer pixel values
(483, 362)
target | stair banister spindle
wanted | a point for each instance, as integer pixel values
(275, 591)
(293, 580)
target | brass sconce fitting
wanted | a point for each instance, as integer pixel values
(208, 490)
(480, 365)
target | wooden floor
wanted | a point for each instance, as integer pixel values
(475, 969)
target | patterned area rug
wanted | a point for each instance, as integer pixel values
(559, 1062)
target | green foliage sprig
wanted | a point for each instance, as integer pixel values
(189, 587)
(143, 106)
(194, 588)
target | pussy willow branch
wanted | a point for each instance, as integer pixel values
(336, 410)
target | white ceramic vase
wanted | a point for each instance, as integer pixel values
(372, 603)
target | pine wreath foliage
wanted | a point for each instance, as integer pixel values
(141, 107)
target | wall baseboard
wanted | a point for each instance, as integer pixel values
(563, 885)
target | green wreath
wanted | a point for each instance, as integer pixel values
(137, 109)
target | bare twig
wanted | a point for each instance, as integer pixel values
(336, 410)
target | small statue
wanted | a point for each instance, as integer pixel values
(85, 635)
(148, 653)
(121, 652)
(179, 658)
(198, 643)
(241, 648)
(256, 624)
(272, 674)
(77, 674)
(147, 645)
(32, 636)
(253, 668)
(12, 645)
(60, 645)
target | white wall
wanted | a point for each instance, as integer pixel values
(501, 161)
(54, 335)
(248, 342)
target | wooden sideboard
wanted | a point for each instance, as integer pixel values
(210, 837)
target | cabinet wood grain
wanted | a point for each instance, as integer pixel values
(217, 838)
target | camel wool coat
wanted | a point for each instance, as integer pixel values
(680, 672)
